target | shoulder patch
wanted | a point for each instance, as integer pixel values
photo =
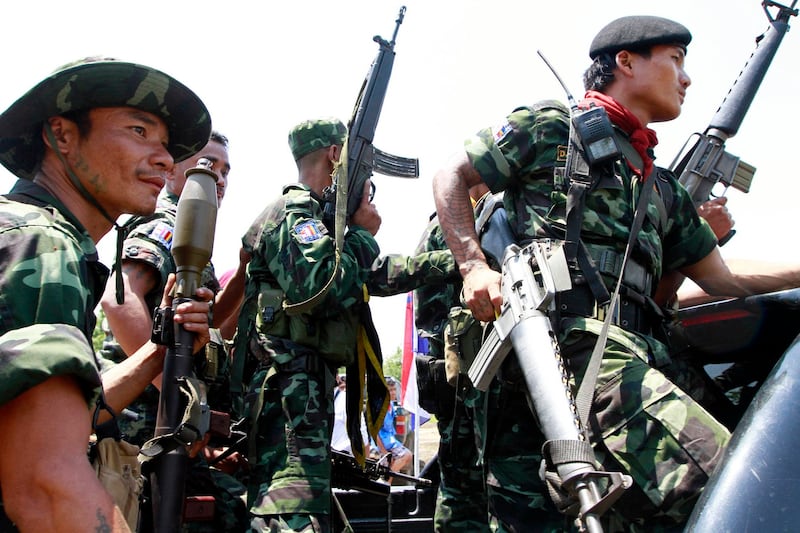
(561, 153)
(310, 231)
(500, 132)
(162, 233)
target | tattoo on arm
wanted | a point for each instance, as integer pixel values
(102, 523)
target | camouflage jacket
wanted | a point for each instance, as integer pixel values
(292, 260)
(50, 284)
(434, 300)
(397, 274)
(523, 156)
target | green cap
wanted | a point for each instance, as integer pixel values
(101, 82)
(638, 32)
(311, 135)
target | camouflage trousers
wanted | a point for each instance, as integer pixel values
(290, 478)
(462, 503)
(642, 424)
(511, 443)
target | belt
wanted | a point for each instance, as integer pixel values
(629, 315)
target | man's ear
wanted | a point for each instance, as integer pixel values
(65, 132)
(334, 152)
(623, 61)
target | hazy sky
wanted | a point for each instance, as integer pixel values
(461, 65)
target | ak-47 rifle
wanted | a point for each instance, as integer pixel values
(183, 414)
(703, 162)
(362, 158)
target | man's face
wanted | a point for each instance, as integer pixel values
(214, 152)
(123, 161)
(660, 82)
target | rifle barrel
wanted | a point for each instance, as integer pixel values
(731, 112)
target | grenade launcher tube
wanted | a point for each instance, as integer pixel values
(192, 246)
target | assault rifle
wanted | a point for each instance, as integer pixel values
(703, 162)
(183, 414)
(347, 474)
(362, 158)
(531, 278)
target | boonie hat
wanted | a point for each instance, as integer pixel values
(636, 32)
(311, 135)
(101, 82)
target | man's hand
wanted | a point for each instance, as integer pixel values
(191, 314)
(717, 215)
(366, 215)
(482, 291)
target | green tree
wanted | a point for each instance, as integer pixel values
(393, 364)
(98, 334)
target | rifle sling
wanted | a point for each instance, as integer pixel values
(583, 399)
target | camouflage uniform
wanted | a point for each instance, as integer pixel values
(51, 277)
(46, 322)
(462, 503)
(290, 360)
(640, 422)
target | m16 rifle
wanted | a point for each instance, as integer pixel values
(183, 414)
(531, 277)
(361, 158)
(703, 166)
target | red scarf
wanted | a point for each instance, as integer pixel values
(642, 139)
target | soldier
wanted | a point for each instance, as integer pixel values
(641, 423)
(461, 503)
(147, 262)
(91, 142)
(291, 359)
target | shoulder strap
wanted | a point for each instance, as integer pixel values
(585, 396)
(580, 180)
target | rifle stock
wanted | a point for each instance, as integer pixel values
(192, 245)
(703, 166)
(362, 157)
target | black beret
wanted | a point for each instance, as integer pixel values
(637, 32)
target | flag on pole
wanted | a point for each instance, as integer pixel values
(409, 393)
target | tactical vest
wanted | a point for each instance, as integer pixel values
(640, 275)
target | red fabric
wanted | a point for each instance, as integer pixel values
(641, 138)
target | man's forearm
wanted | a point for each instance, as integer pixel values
(457, 219)
(123, 382)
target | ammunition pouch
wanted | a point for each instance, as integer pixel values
(215, 355)
(436, 395)
(635, 311)
(331, 337)
(463, 336)
(637, 276)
